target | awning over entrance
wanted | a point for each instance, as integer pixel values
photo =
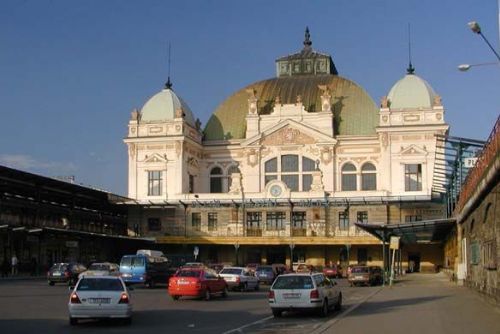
(422, 232)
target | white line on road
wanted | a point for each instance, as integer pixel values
(332, 322)
(239, 329)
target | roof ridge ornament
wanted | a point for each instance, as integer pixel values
(168, 84)
(410, 69)
(307, 39)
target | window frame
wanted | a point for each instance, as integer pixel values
(155, 182)
(274, 170)
(409, 181)
(196, 223)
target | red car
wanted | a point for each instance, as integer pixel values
(196, 282)
(332, 271)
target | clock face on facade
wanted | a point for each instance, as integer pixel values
(275, 190)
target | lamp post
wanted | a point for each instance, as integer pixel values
(466, 67)
(474, 26)
(292, 246)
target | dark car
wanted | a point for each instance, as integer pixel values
(65, 273)
(265, 274)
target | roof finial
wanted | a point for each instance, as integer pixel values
(410, 69)
(168, 84)
(307, 39)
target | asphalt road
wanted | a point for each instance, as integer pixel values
(35, 307)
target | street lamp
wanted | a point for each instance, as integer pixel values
(474, 26)
(466, 67)
(292, 246)
(236, 247)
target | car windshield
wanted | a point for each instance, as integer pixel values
(188, 273)
(100, 284)
(59, 266)
(293, 282)
(265, 269)
(359, 270)
(132, 261)
(99, 266)
(233, 271)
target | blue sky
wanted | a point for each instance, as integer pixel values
(72, 71)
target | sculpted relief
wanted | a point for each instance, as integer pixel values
(287, 136)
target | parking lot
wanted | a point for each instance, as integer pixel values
(33, 306)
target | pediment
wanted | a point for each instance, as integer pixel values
(155, 158)
(413, 150)
(289, 133)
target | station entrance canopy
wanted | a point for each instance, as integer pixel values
(422, 232)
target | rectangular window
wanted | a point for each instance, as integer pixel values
(254, 219)
(275, 220)
(348, 182)
(299, 220)
(289, 163)
(362, 217)
(474, 253)
(154, 224)
(212, 221)
(343, 221)
(154, 182)
(191, 183)
(413, 177)
(306, 182)
(369, 181)
(490, 255)
(414, 218)
(196, 221)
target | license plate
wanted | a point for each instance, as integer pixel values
(56, 274)
(291, 295)
(358, 277)
(182, 282)
(99, 300)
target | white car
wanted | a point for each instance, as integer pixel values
(96, 297)
(239, 278)
(101, 269)
(303, 292)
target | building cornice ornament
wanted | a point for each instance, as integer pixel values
(326, 97)
(252, 102)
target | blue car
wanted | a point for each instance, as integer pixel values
(265, 274)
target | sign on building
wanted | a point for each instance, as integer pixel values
(394, 243)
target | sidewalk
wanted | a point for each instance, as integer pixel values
(21, 277)
(419, 303)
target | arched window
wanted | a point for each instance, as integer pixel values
(486, 213)
(230, 171)
(368, 177)
(349, 177)
(216, 180)
(294, 170)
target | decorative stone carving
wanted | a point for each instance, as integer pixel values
(135, 115)
(384, 102)
(252, 102)
(326, 155)
(437, 101)
(191, 161)
(317, 183)
(384, 138)
(235, 183)
(179, 113)
(277, 100)
(178, 148)
(131, 150)
(439, 116)
(325, 98)
(252, 157)
(287, 136)
(299, 99)
(197, 124)
(385, 119)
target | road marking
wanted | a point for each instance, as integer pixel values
(332, 322)
(239, 329)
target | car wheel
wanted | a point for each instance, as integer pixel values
(207, 294)
(277, 313)
(324, 309)
(175, 297)
(338, 305)
(73, 321)
(225, 292)
(257, 286)
(51, 283)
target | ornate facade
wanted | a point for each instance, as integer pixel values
(285, 166)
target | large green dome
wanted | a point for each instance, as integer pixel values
(355, 111)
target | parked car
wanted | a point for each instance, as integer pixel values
(193, 265)
(239, 278)
(102, 269)
(265, 274)
(252, 266)
(196, 282)
(144, 269)
(97, 297)
(332, 271)
(364, 275)
(216, 266)
(65, 273)
(302, 292)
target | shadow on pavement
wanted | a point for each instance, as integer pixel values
(374, 307)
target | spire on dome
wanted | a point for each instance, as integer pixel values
(168, 84)
(410, 69)
(307, 39)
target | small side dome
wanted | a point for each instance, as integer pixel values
(163, 106)
(411, 92)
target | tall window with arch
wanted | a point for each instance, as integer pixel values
(368, 177)
(293, 170)
(348, 182)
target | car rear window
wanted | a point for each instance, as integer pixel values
(268, 269)
(132, 261)
(293, 282)
(59, 266)
(232, 271)
(188, 273)
(359, 270)
(100, 284)
(99, 266)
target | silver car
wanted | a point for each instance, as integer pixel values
(97, 297)
(239, 278)
(301, 292)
